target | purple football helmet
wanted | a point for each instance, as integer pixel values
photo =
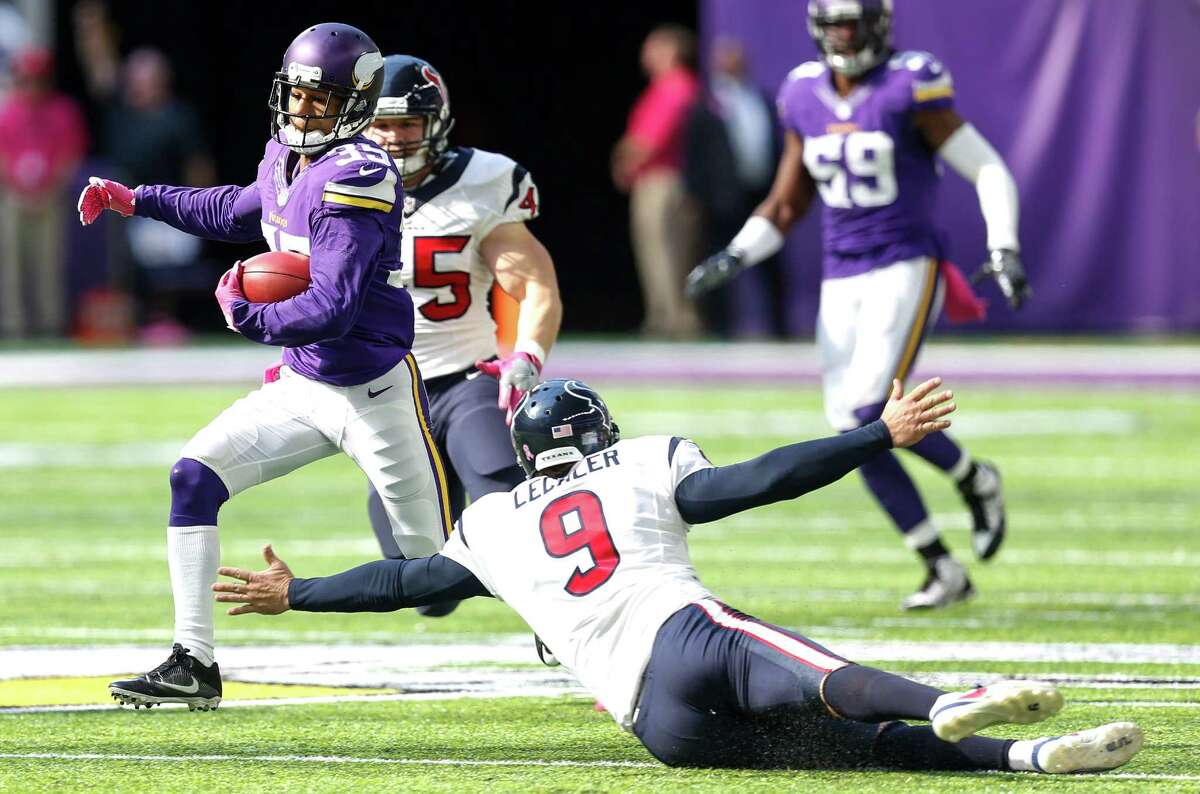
(872, 38)
(343, 62)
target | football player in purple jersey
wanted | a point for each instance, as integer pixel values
(464, 230)
(348, 381)
(864, 127)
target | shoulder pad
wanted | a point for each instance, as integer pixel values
(916, 61)
(488, 166)
(503, 185)
(370, 187)
(808, 69)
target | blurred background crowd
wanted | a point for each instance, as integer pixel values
(652, 135)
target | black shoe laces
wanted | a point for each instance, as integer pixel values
(178, 658)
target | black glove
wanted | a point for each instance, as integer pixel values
(1005, 266)
(718, 269)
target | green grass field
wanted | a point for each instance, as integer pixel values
(1097, 583)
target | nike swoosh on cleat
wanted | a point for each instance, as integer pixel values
(192, 689)
(373, 394)
(365, 171)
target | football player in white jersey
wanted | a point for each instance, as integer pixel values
(591, 550)
(464, 230)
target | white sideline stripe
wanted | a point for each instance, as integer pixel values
(523, 692)
(21, 555)
(331, 759)
(734, 423)
(778, 640)
(738, 423)
(326, 652)
(504, 762)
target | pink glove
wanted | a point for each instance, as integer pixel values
(517, 373)
(104, 194)
(271, 373)
(229, 289)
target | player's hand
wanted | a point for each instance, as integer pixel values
(229, 289)
(272, 373)
(264, 592)
(517, 373)
(910, 417)
(1005, 266)
(104, 194)
(718, 269)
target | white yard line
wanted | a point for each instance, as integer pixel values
(739, 423)
(30, 555)
(709, 424)
(506, 649)
(476, 762)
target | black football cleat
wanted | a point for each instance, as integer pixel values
(982, 492)
(438, 610)
(180, 679)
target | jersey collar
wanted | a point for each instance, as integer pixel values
(459, 158)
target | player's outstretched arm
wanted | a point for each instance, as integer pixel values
(524, 270)
(229, 213)
(762, 235)
(380, 586)
(711, 494)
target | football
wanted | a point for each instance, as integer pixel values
(274, 276)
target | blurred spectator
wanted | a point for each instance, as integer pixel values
(14, 37)
(732, 149)
(647, 163)
(42, 140)
(150, 137)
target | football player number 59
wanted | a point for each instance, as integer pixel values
(574, 522)
(855, 170)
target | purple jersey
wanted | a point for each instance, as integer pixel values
(345, 212)
(876, 176)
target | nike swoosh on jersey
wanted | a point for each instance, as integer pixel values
(473, 374)
(187, 690)
(373, 394)
(366, 171)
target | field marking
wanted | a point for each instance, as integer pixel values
(332, 759)
(718, 423)
(739, 423)
(479, 762)
(890, 554)
(403, 655)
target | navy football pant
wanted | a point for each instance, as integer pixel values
(723, 689)
(473, 440)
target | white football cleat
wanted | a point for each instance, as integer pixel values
(945, 583)
(957, 715)
(1095, 750)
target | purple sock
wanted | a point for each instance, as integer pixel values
(895, 491)
(940, 450)
(197, 494)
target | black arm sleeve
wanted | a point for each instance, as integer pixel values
(385, 586)
(783, 473)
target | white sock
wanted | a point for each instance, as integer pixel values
(1020, 755)
(193, 555)
(960, 470)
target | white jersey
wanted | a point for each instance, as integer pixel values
(445, 220)
(594, 562)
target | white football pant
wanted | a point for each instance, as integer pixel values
(382, 425)
(869, 330)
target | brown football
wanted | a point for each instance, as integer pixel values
(274, 276)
